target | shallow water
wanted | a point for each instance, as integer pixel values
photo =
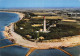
(5, 20)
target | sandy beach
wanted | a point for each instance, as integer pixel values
(18, 39)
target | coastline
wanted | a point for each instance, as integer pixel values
(64, 42)
(21, 15)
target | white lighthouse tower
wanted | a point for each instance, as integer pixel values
(44, 27)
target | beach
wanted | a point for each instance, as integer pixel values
(18, 39)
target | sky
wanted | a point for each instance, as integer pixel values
(38, 3)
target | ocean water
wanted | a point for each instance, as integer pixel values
(5, 20)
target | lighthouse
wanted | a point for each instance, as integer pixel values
(44, 30)
(44, 27)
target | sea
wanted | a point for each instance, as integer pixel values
(5, 20)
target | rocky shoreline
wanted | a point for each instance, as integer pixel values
(18, 39)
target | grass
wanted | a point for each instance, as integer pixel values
(48, 17)
(38, 13)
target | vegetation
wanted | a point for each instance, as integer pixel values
(28, 15)
(63, 29)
